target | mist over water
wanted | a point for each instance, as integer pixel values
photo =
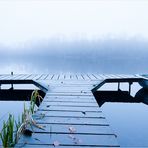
(110, 56)
(83, 56)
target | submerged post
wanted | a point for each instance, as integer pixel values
(12, 84)
(118, 86)
(130, 83)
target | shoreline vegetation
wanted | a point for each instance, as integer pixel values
(12, 129)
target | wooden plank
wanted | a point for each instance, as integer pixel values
(69, 97)
(66, 99)
(24, 76)
(128, 76)
(65, 139)
(92, 77)
(6, 77)
(27, 76)
(61, 129)
(73, 77)
(76, 77)
(96, 77)
(108, 76)
(39, 78)
(114, 76)
(68, 94)
(46, 76)
(67, 77)
(71, 120)
(69, 114)
(20, 76)
(85, 77)
(69, 104)
(103, 76)
(63, 94)
(43, 77)
(36, 76)
(14, 77)
(58, 77)
(79, 77)
(68, 89)
(55, 77)
(49, 76)
(61, 77)
(72, 100)
(74, 83)
(52, 146)
(3, 75)
(72, 108)
(119, 76)
(82, 77)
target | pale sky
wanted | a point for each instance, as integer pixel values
(26, 21)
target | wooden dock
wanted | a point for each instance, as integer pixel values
(69, 112)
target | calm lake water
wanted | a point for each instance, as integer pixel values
(128, 120)
(13, 107)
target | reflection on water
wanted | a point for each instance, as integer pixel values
(129, 121)
(14, 107)
(11, 107)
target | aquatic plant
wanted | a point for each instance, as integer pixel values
(12, 129)
(34, 98)
(27, 121)
(7, 133)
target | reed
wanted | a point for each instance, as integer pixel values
(34, 96)
(12, 129)
(7, 133)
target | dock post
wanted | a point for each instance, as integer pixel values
(130, 83)
(12, 84)
(118, 86)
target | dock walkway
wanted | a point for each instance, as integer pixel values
(69, 113)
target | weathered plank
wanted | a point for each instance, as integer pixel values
(69, 94)
(90, 104)
(71, 108)
(78, 129)
(49, 76)
(42, 114)
(66, 139)
(70, 97)
(61, 146)
(43, 77)
(69, 100)
(72, 120)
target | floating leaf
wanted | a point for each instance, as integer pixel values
(56, 143)
(36, 139)
(83, 112)
(71, 136)
(78, 141)
(72, 129)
